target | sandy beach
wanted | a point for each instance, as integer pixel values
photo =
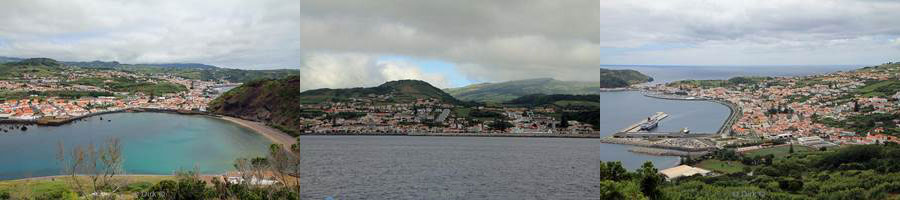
(275, 135)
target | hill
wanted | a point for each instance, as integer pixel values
(42, 67)
(280, 101)
(505, 91)
(185, 70)
(36, 62)
(116, 64)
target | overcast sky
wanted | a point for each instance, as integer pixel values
(455, 42)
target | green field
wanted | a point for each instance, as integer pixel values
(880, 88)
(565, 103)
(725, 167)
(779, 152)
(122, 84)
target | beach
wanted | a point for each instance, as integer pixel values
(275, 135)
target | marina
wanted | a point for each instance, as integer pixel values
(647, 124)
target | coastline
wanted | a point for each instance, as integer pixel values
(274, 135)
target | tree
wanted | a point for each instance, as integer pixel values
(71, 164)
(619, 191)
(285, 163)
(100, 165)
(791, 149)
(564, 121)
(613, 171)
(500, 125)
(187, 186)
(650, 180)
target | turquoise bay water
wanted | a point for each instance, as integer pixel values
(153, 143)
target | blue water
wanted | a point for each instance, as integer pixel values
(621, 109)
(153, 143)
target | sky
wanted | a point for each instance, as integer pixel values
(452, 43)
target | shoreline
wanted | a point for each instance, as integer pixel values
(274, 135)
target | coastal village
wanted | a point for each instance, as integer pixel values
(815, 110)
(369, 115)
(40, 108)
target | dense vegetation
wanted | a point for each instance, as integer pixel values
(853, 172)
(505, 91)
(881, 88)
(542, 99)
(41, 67)
(122, 84)
(865, 123)
(582, 108)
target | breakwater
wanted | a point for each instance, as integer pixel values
(733, 116)
(666, 152)
(682, 145)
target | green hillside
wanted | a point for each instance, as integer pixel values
(505, 91)
(192, 70)
(42, 67)
(280, 101)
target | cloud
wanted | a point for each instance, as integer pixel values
(502, 40)
(345, 70)
(231, 33)
(486, 40)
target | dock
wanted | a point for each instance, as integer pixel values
(637, 126)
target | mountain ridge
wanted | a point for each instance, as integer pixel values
(509, 90)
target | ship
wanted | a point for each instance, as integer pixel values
(650, 124)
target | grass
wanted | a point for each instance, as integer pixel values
(725, 167)
(778, 152)
(461, 111)
(124, 84)
(63, 187)
(565, 103)
(880, 88)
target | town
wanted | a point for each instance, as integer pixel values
(820, 110)
(370, 115)
(58, 104)
(75, 93)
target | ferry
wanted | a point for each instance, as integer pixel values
(649, 125)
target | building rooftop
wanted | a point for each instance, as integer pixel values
(683, 170)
